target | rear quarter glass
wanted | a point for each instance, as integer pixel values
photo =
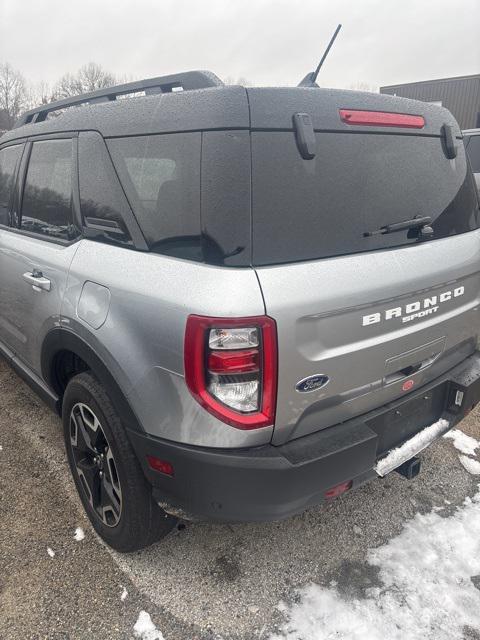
(161, 178)
(311, 209)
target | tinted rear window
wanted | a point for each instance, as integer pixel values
(8, 161)
(161, 177)
(310, 209)
(473, 150)
(47, 194)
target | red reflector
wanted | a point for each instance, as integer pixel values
(245, 361)
(162, 466)
(381, 119)
(338, 489)
(406, 386)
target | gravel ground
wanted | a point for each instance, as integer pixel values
(203, 582)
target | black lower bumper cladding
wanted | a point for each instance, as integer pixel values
(274, 482)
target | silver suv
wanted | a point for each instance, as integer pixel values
(242, 301)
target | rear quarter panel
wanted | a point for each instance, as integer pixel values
(141, 338)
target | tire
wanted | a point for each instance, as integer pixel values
(107, 474)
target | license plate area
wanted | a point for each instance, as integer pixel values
(396, 425)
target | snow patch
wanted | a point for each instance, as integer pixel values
(426, 591)
(411, 447)
(145, 629)
(124, 595)
(465, 444)
(471, 465)
(79, 534)
(50, 552)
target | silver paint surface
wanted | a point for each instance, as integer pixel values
(318, 307)
(26, 315)
(141, 340)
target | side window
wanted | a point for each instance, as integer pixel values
(102, 200)
(473, 152)
(47, 194)
(161, 177)
(8, 161)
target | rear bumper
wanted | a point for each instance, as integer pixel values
(270, 483)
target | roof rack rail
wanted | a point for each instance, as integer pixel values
(164, 84)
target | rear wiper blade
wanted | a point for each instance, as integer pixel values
(415, 223)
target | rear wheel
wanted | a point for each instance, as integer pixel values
(107, 474)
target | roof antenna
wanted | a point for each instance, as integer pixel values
(310, 79)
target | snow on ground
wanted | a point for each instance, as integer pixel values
(145, 629)
(462, 442)
(426, 572)
(50, 552)
(471, 465)
(79, 534)
(427, 591)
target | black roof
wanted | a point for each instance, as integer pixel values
(214, 107)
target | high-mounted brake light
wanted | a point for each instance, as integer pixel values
(381, 119)
(231, 368)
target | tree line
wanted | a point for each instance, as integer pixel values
(17, 95)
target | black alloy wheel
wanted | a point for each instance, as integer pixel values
(95, 464)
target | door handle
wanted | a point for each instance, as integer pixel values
(37, 280)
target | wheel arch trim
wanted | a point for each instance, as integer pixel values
(61, 339)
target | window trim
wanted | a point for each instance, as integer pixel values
(21, 180)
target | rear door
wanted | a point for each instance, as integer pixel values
(373, 316)
(36, 253)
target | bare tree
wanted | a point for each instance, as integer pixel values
(88, 78)
(13, 94)
(40, 93)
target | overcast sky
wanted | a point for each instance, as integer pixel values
(265, 41)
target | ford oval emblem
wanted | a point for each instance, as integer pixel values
(312, 383)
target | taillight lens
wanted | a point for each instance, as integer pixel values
(231, 368)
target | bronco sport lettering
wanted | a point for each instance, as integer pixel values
(417, 309)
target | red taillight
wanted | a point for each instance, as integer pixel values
(381, 119)
(225, 362)
(338, 489)
(231, 368)
(162, 466)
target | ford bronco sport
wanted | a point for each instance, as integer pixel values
(242, 301)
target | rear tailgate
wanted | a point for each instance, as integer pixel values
(377, 316)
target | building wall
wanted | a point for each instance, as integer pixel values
(460, 95)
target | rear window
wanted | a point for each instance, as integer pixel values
(47, 195)
(8, 160)
(473, 151)
(310, 209)
(161, 177)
